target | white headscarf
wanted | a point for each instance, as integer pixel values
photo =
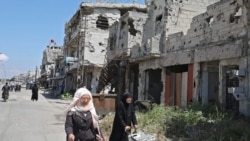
(76, 106)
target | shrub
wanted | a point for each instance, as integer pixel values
(66, 96)
(198, 123)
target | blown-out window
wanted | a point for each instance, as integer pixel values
(102, 23)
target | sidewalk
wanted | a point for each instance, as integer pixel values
(57, 101)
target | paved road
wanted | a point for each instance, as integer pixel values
(24, 120)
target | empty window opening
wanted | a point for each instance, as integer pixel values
(123, 24)
(236, 16)
(239, 12)
(132, 29)
(102, 23)
(158, 18)
(210, 20)
(111, 43)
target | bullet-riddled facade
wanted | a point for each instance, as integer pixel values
(86, 38)
(124, 35)
(202, 58)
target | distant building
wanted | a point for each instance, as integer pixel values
(48, 66)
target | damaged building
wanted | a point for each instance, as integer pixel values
(187, 51)
(86, 38)
(123, 36)
(175, 52)
(49, 66)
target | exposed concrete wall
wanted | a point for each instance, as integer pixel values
(180, 13)
(219, 52)
(210, 31)
(125, 34)
(153, 28)
(169, 18)
(218, 34)
(96, 38)
(131, 31)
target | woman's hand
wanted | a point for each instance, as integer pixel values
(99, 138)
(71, 137)
(135, 126)
(127, 128)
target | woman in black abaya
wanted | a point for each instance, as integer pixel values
(34, 93)
(124, 119)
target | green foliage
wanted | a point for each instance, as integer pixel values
(66, 96)
(153, 121)
(198, 123)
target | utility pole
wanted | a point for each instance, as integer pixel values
(81, 50)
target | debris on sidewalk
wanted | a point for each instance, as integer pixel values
(141, 136)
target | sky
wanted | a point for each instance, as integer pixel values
(26, 28)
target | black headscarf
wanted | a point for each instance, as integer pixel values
(125, 96)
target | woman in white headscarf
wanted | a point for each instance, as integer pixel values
(82, 121)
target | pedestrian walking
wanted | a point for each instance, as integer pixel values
(124, 119)
(34, 95)
(62, 88)
(81, 119)
(5, 93)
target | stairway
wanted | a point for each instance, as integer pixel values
(106, 75)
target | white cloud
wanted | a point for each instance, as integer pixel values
(3, 57)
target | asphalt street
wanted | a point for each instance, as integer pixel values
(24, 120)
